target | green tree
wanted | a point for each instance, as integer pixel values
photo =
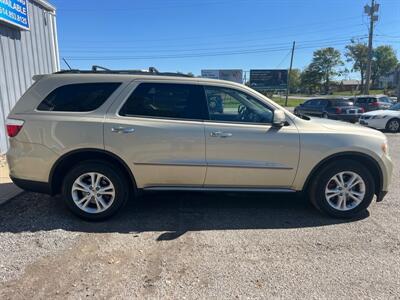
(384, 61)
(357, 53)
(295, 80)
(326, 61)
(310, 79)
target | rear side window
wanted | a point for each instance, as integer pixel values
(80, 97)
(384, 99)
(361, 100)
(365, 100)
(166, 100)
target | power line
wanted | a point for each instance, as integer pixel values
(198, 55)
(283, 60)
(248, 47)
(235, 40)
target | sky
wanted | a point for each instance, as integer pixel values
(190, 35)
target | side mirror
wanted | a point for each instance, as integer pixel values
(279, 118)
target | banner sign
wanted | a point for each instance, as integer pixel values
(268, 79)
(15, 12)
(230, 75)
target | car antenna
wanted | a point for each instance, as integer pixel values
(67, 63)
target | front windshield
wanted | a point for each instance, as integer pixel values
(395, 106)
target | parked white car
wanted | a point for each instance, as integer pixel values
(388, 119)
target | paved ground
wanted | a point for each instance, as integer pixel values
(8, 190)
(197, 246)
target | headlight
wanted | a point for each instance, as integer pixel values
(379, 117)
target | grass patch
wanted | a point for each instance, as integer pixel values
(292, 102)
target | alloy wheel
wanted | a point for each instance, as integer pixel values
(93, 192)
(394, 125)
(345, 190)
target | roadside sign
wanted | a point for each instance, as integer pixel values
(15, 12)
(234, 75)
(268, 79)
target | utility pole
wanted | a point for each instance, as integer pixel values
(290, 71)
(370, 11)
(398, 83)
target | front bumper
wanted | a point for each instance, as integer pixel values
(374, 123)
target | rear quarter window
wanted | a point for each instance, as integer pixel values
(81, 97)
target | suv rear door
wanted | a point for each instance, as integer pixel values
(243, 149)
(159, 132)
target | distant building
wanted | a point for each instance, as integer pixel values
(349, 85)
(28, 46)
(388, 81)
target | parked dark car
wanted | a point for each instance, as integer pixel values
(369, 103)
(334, 108)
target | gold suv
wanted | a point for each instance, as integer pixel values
(99, 137)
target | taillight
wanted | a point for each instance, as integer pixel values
(14, 127)
(338, 110)
(361, 109)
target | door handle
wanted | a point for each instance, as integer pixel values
(220, 134)
(123, 129)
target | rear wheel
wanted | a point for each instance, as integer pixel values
(324, 115)
(342, 189)
(393, 125)
(95, 190)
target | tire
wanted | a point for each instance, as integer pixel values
(100, 206)
(322, 181)
(324, 115)
(393, 125)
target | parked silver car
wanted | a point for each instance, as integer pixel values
(99, 138)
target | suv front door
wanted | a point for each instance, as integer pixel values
(159, 133)
(243, 149)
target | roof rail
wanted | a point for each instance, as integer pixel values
(102, 70)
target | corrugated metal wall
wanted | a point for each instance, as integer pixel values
(22, 55)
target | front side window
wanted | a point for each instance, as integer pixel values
(166, 100)
(82, 97)
(230, 105)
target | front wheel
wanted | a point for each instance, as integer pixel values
(342, 189)
(95, 190)
(393, 125)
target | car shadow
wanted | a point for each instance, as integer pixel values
(171, 214)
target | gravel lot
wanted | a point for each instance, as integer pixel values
(192, 245)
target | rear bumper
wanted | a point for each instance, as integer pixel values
(349, 118)
(33, 186)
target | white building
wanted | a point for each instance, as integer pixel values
(28, 46)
